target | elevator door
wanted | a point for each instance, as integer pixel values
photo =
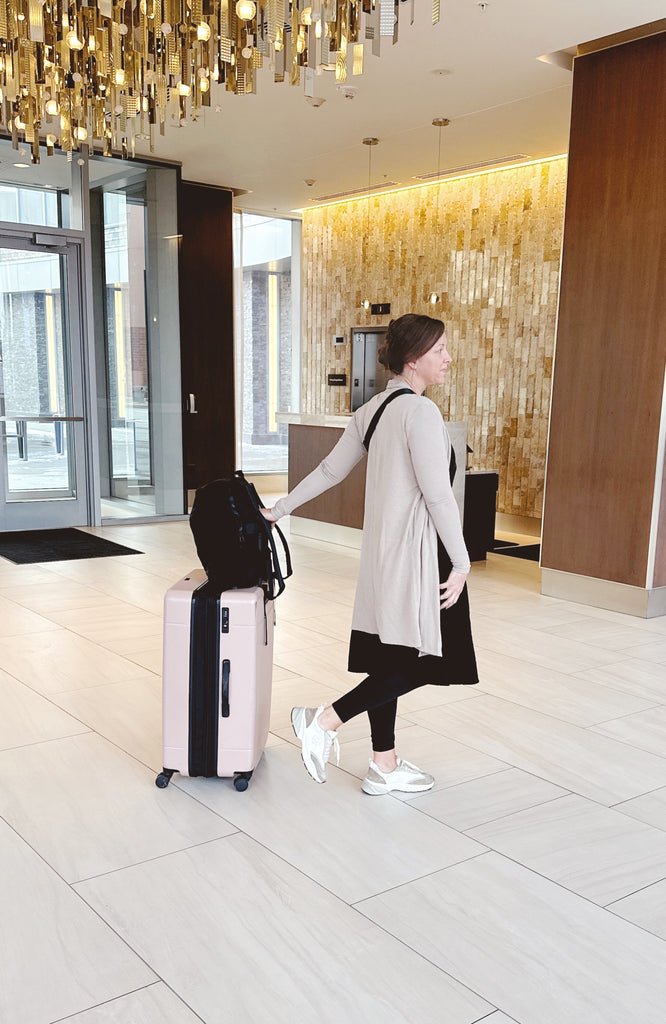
(368, 375)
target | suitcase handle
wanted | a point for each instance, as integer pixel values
(226, 671)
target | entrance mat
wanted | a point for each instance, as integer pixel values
(27, 546)
(529, 551)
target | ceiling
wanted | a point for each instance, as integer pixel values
(500, 98)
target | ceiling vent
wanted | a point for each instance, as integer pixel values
(355, 192)
(516, 158)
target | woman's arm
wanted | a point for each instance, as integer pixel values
(430, 449)
(335, 467)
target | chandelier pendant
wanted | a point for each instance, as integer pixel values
(114, 71)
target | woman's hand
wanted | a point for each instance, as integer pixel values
(452, 589)
(268, 514)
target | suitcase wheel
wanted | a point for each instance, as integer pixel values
(164, 778)
(241, 780)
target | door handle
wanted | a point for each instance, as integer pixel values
(191, 403)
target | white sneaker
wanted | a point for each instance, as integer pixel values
(405, 778)
(316, 742)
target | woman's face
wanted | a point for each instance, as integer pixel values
(432, 366)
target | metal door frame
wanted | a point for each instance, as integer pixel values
(35, 513)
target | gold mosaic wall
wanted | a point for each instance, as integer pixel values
(491, 249)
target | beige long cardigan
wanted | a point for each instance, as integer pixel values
(408, 501)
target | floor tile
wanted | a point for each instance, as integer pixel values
(650, 808)
(326, 664)
(110, 622)
(646, 908)
(26, 717)
(485, 799)
(576, 759)
(15, 620)
(536, 647)
(655, 652)
(58, 956)
(646, 730)
(155, 1004)
(291, 637)
(335, 834)
(600, 633)
(129, 715)
(435, 696)
(87, 808)
(60, 660)
(59, 594)
(256, 910)
(591, 850)
(553, 693)
(544, 955)
(640, 678)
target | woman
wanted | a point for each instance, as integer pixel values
(410, 624)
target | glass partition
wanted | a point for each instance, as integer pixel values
(267, 257)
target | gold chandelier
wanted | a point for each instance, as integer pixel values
(73, 72)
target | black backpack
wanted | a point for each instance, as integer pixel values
(234, 541)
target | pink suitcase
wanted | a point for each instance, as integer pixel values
(217, 678)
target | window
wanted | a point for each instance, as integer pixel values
(267, 257)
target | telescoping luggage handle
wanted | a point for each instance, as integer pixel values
(280, 576)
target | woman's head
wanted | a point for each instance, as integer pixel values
(407, 339)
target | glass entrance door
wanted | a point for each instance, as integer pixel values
(42, 435)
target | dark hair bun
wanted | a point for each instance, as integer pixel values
(408, 337)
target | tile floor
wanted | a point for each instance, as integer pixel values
(528, 887)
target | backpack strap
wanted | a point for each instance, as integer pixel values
(375, 419)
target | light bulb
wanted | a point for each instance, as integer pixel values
(81, 134)
(203, 31)
(52, 107)
(306, 16)
(50, 140)
(247, 52)
(433, 298)
(183, 89)
(366, 303)
(166, 28)
(246, 10)
(204, 84)
(73, 40)
(120, 76)
(122, 28)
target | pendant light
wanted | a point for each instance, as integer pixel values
(438, 123)
(369, 142)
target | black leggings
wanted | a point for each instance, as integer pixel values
(378, 695)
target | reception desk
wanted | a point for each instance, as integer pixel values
(311, 438)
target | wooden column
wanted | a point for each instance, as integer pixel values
(207, 331)
(604, 503)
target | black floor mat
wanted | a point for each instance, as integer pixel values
(27, 546)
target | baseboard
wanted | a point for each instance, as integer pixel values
(617, 597)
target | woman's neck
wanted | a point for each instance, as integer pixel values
(417, 386)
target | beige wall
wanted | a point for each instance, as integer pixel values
(496, 263)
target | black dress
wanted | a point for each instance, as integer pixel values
(456, 664)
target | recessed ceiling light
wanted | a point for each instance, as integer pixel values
(21, 165)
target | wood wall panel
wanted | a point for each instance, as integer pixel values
(344, 503)
(205, 278)
(490, 244)
(611, 344)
